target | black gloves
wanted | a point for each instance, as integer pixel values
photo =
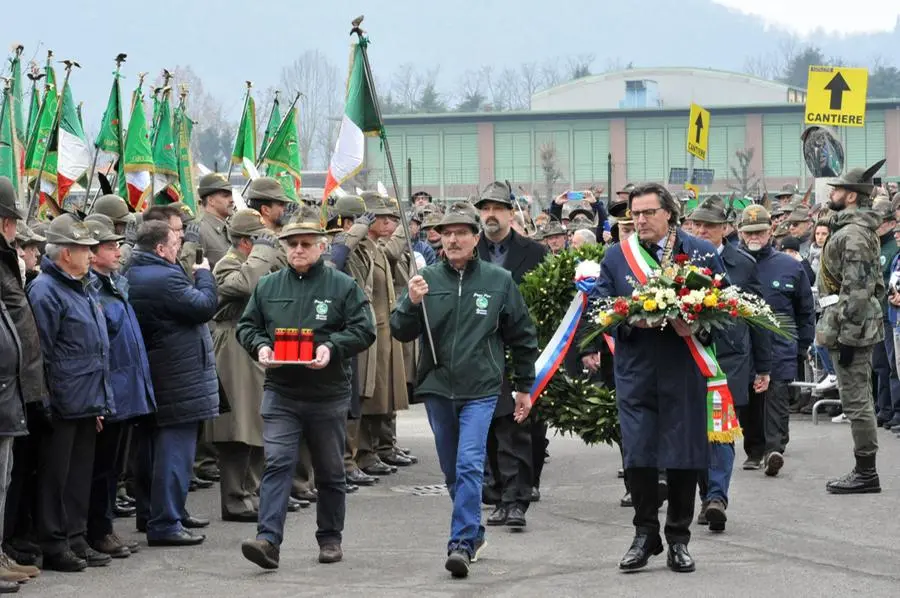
(192, 233)
(845, 354)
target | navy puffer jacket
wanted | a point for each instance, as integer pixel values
(173, 312)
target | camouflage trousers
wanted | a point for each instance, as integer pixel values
(855, 385)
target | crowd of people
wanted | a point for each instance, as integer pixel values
(145, 363)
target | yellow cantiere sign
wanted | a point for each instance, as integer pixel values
(698, 132)
(836, 96)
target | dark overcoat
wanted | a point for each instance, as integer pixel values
(660, 392)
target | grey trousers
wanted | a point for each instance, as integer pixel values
(855, 385)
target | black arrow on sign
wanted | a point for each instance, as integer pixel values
(837, 86)
(699, 123)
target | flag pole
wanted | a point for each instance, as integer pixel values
(390, 160)
(262, 149)
(243, 113)
(277, 131)
(32, 205)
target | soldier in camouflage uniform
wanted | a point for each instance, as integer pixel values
(850, 286)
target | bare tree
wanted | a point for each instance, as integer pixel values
(552, 73)
(764, 66)
(550, 167)
(580, 66)
(317, 78)
(213, 135)
(746, 179)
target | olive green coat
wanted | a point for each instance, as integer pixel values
(382, 369)
(240, 377)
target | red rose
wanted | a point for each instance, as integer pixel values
(697, 307)
(721, 305)
(691, 317)
(732, 302)
(717, 283)
(621, 307)
(679, 280)
(733, 313)
(684, 291)
(706, 271)
(682, 258)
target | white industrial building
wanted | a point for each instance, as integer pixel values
(664, 87)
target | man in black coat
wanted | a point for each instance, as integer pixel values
(515, 452)
(742, 351)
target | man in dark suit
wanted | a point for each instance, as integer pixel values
(515, 452)
(659, 387)
(742, 351)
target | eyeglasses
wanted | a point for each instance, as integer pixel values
(648, 213)
(293, 243)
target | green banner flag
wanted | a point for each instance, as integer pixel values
(272, 125)
(282, 157)
(43, 131)
(183, 129)
(165, 159)
(109, 139)
(34, 110)
(138, 158)
(9, 163)
(17, 95)
(245, 142)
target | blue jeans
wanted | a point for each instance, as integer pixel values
(825, 358)
(323, 424)
(173, 467)
(721, 462)
(460, 436)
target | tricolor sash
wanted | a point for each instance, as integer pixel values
(722, 424)
(553, 354)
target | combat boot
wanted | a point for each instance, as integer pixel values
(863, 479)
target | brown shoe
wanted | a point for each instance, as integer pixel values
(10, 565)
(261, 552)
(330, 553)
(112, 545)
(15, 576)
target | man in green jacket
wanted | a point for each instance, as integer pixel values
(476, 314)
(309, 401)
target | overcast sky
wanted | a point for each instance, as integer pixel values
(229, 41)
(805, 16)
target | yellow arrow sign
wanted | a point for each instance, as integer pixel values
(836, 96)
(698, 132)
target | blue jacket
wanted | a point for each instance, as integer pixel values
(74, 343)
(741, 350)
(786, 288)
(425, 249)
(129, 368)
(173, 312)
(660, 391)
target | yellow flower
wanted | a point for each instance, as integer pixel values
(649, 305)
(603, 319)
(710, 301)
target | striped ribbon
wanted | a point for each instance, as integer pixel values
(721, 425)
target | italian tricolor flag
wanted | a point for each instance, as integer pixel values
(360, 120)
(73, 151)
(138, 156)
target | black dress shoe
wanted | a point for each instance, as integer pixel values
(679, 559)
(123, 509)
(92, 557)
(210, 474)
(626, 501)
(351, 488)
(295, 505)
(642, 548)
(261, 553)
(360, 479)
(307, 495)
(197, 483)
(182, 538)
(241, 517)
(192, 522)
(498, 517)
(378, 468)
(515, 517)
(397, 459)
(66, 561)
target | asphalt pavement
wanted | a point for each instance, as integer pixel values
(785, 537)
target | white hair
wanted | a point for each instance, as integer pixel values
(586, 235)
(53, 251)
